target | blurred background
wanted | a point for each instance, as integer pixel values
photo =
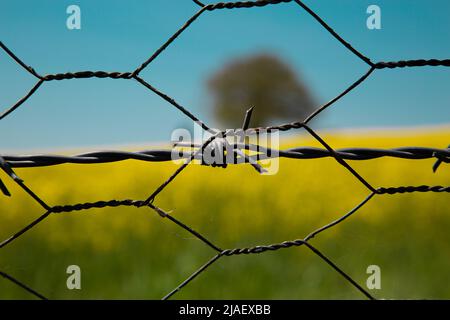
(277, 59)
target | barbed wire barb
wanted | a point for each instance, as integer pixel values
(440, 159)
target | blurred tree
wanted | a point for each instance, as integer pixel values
(262, 81)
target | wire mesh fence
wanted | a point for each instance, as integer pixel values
(9, 162)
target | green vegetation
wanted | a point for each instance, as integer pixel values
(134, 253)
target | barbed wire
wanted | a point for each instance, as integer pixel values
(8, 162)
(163, 155)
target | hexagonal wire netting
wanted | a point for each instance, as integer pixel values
(8, 162)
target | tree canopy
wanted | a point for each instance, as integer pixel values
(262, 81)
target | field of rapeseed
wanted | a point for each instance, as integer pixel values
(134, 253)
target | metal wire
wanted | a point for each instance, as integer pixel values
(413, 153)
(8, 162)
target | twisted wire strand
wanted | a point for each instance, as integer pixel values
(413, 63)
(163, 155)
(8, 162)
(87, 75)
(243, 4)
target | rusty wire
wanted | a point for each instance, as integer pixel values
(8, 162)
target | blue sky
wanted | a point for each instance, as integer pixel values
(119, 35)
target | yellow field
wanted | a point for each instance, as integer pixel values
(134, 253)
